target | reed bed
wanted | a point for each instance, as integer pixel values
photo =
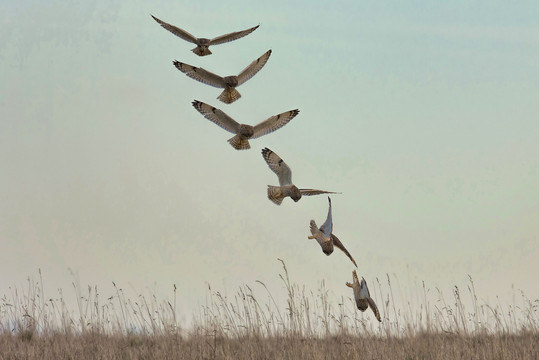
(253, 324)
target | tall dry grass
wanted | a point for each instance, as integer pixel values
(253, 324)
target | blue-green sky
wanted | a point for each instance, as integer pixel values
(424, 115)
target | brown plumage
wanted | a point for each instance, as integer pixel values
(324, 236)
(202, 44)
(243, 132)
(277, 193)
(228, 83)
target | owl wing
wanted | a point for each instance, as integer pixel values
(253, 68)
(364, 289)
(278, 166)
(310, 192)
(327, 226)
(177, 31)
(273, 123)
(339, 244)
(374, 308)
(217, 116)
(199, 74)
(232, 36)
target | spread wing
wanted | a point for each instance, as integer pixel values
(339, 244)
(327, 226)
(253, 68)
(177, 31)
(217, 116)
(310, 192)
(199, 74)
(278, 166)
(273, 123)
(232, 36)
(374, 308)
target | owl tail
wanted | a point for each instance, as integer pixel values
(274, 194)
(239, 142)
(228, 96)
(313, 227)
(201, 52)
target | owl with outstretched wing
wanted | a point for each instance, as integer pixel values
(203, 43)
(228, 83)
(284, 174)
(243, 132)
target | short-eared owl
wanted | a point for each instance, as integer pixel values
(362, 296)
(285, 188)
(243, 132)
(203, 43)
(229, 83)
(325, 237)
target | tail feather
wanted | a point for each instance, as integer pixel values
(313, 227)
(274, 194)
(239, 142)
(228, 96)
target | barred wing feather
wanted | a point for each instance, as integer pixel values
(200, 74)
(217, 116)
(273, 123)
(253, 68)
(278, 166)
(339, 244)
(232, 36)
(176, 31)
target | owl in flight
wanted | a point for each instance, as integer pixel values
(228, 83)
(203, 43)
(285, 188)
(243, 132)
(325, 237)
(362, 296)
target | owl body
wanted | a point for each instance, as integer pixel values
(241, 140)
(202, 48)
(247, 130)
(361, 301)
(325, 241)
(230, 94)
(278, 193)
(231, 81)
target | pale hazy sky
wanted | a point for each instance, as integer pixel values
(424, 115)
